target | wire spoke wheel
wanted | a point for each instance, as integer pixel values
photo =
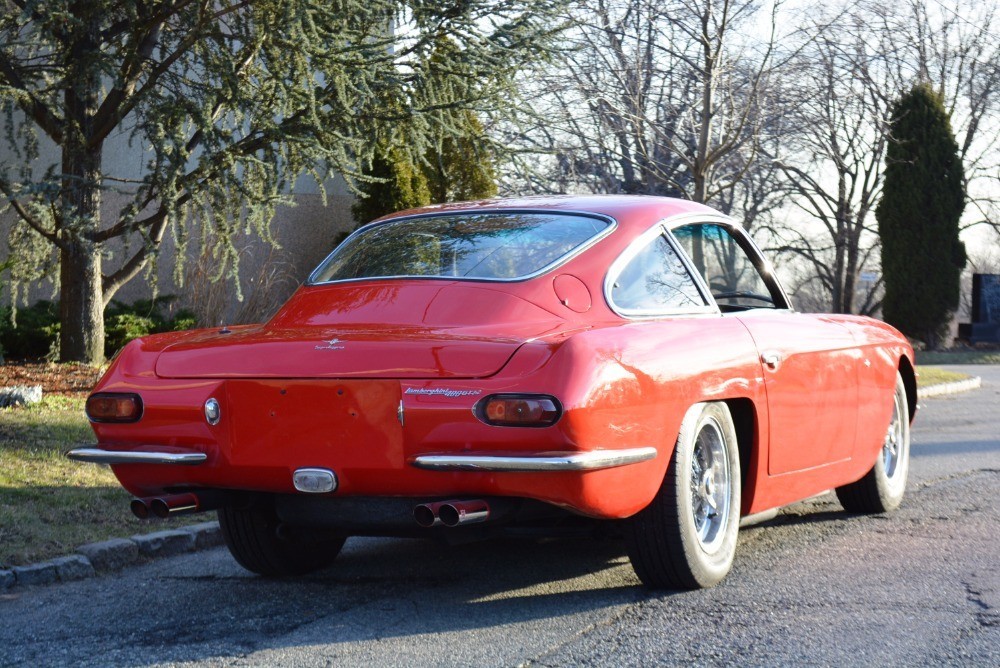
(686, 537)
(882, 488)
(891, 448)
(710, 485)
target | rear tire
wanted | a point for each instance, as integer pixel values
(882, 488)
(686, 537)
(260, 543)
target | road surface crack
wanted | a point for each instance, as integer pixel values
(985, 615)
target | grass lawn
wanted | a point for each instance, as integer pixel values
(932, 375)
(50, 505)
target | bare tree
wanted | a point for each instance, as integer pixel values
(834, 157)
(855, 62)
(666, 98)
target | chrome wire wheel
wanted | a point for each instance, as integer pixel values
(686, 537)
(710, 485)
(892, 448)
(882, 488)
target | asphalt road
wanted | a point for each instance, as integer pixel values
(812, 587)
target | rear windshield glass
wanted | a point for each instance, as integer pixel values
(497, 246)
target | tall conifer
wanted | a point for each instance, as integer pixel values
(918, 217)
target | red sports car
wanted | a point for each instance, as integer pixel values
(533, 364)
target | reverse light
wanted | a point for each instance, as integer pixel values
(114, 407)
(519, 410)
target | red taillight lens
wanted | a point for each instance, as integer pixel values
(114, 407)
(519, 410)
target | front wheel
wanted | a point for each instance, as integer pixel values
(686, 537)
(881, 490)
(261, 543)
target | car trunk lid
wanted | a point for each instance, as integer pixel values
(390, 351)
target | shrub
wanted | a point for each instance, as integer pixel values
(121, 328)
(36, 333)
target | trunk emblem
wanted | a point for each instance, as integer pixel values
(331, 345)
(442, 391)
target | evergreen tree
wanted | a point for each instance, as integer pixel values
(396, 184)
(225, 104)
(923, 197)
(462, 169)
(458, 167)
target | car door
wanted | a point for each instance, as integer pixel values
(808, 362)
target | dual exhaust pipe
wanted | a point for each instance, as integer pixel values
(175, 504)
(451, 513)
(441, 513)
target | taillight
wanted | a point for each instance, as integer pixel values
(114, 407)
(518, 410)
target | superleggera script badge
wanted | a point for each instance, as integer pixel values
(443, 391)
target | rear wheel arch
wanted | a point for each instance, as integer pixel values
(744, 415)
(909, 375)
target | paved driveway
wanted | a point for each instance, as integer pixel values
(814, 586)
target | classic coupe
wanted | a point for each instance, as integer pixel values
(538, 364)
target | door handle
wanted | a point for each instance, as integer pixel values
(770, 359)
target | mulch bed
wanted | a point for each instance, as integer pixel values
(69, 379)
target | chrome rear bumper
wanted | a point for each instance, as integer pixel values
(99, 456)
(568, 461)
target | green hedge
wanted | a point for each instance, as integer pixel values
(36, 335)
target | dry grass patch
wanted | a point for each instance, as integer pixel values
(930, 375)
(50, 505)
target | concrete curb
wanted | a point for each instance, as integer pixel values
(113, 555)
(950, 388)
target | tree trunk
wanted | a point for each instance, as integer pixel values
(81, 309)
(81, 306)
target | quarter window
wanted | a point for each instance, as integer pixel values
(732, 278)
(655, 281)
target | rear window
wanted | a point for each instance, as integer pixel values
(500, 246)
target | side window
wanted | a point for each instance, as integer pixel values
(732, 277)
(655, 280)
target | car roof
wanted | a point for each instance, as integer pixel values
(638, 211)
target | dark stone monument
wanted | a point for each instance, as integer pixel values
(985, 325)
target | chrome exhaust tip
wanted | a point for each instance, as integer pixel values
(426, 515)
(175, 504)
(451, 513)
(139, 508)
(458, 513)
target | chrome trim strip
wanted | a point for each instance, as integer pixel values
(564, 259)
(99, 456)
(567, 461)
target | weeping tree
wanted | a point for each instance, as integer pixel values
(923, 197)
(227, 103)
